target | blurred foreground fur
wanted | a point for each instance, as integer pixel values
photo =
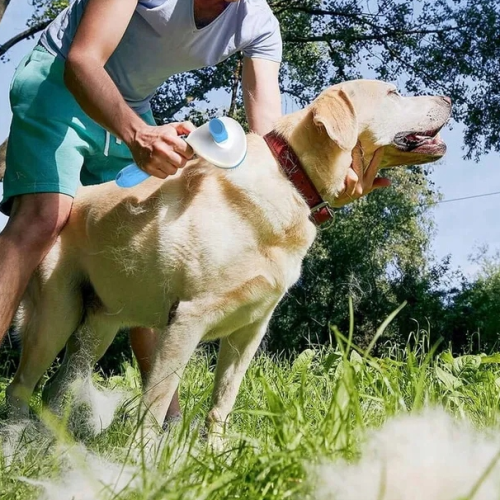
(430, 456)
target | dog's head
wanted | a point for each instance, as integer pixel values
(373, 115)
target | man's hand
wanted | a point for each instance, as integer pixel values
(360, 182)
(160, 151)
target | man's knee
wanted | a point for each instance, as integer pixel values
(37, 219)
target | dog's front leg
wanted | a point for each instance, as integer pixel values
(174, 349)
(235, 354)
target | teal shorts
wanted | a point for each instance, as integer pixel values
(53, 145)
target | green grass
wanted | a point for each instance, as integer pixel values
(290, 414)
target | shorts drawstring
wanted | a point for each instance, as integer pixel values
(106, 144)
(107, 141)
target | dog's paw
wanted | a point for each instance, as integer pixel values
(217, 441)
(16, 407)
(146, 445)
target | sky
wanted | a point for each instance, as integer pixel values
(462, 227)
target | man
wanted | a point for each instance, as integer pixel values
(93, 74)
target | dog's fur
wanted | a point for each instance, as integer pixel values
(208, 253)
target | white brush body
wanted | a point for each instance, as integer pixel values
(227, 154)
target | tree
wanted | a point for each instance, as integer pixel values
(474, 314)
(45, 11)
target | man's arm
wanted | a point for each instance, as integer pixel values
(261, 94)
(158, 150)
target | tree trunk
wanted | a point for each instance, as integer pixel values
(236, 86)
(3, 151)
(3, 7)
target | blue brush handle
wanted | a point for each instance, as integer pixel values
(131, 176)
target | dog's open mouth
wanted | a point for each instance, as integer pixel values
(426, 143)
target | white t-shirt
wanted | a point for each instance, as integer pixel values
(162, 40)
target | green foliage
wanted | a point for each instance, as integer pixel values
(10, 353)
(46, 10)
(474, 315)
(376, 252)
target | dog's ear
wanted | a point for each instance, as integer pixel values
(333, 111)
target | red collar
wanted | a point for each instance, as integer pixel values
(293, 169)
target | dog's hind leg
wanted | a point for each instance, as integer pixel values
(52, 312)
(84, 349)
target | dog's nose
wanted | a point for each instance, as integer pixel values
(446, 99)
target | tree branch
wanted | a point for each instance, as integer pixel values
(235, 86)
(363, 38)
(167, 114)
(323, 12)
(299, 97)
(22, 36)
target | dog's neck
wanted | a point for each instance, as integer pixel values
(293, 169)
(325, 164)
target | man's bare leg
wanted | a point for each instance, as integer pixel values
(35, 222)
(143, 342)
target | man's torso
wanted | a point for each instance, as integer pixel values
(162, 39)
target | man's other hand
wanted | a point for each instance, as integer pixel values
(360, 182)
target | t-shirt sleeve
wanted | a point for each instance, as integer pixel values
(267, 43)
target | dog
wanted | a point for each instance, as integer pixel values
(208, 253)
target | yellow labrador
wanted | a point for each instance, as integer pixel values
(209, 253)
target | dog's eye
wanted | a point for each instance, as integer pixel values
(393, 92)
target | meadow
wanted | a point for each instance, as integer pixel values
(334, 422)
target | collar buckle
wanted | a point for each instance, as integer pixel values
(321, 213)
(323, 204)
